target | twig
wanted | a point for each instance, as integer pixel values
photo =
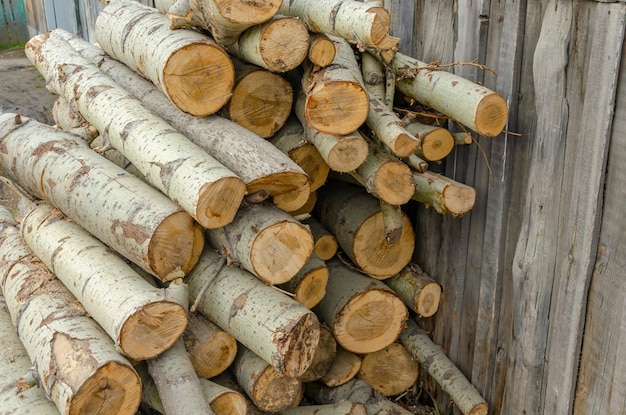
(214, 272)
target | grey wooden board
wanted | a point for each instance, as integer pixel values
(402, 15)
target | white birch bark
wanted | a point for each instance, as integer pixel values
(211, 349)
(67, 117)
(309, 284)
(445, 195)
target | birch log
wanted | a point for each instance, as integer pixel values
(278, 329)
(211, 349)
(341, 408)
(67, 117)
(76, 361)
(307, 208)
(321, 50)
(225, 19)
(324, 356)
(355, 218)
(266, 241)
(389, 129)
(443, 371)
(294, 200)
(445, 195)
(475, 106)
(364, 314)
(278, 45)
(191, 69)
(143, 321)
(131, 217)
(309, 284)
(344, 367)
(435, 142)
(168, 160)
(418, 291)
(325, 243)
(258, 163)
(19, 392)
(391, 370)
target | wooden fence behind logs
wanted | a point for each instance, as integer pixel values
(12, 23)
(534, 280)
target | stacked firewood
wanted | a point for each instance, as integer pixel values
(180, 246)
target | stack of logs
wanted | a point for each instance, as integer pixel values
(179, 246)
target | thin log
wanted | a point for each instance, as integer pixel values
(344, 367)
(266, 241)
(191, 69)
(211, 349)
(364, 314)
(128, 215)
(435, 142)
(142, 320)
(416, 163)
(278, 329)
(324, 356)
(66, 116)
(372, 70)
(169, 161)
(309, 284)
(342, 408)
(355, 218)
(336, 101)
(418, 291)
(391, 371)
(392, 221)
(445, 195)
(432, 359)
(259, 164)
(268, 389)
(294, 200)
(462, 138)
(261, 100)
(307, 208)
(325, 243)
(475, 106)
(225, 19)
(321, 50)
(76, 362)
(228, 380)
(278, 45)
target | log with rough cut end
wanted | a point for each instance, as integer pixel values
(211, 349)
(278, 45)
(309, 284)
(76, 362)
(268, 389)
(294, 200)
(278, 329)
(344, 367)
(443, 371)
(258, 163)
(391, 371)
(341, 408)
(307, 208)
(261, 100)
(475, 106)
(321, 50)
(325, 243)
(191, 69)
(324, 356)
(418, 291)
(435, 142)
(266, 241)
(127, 214)
(336, 101)
(142, 320)
(363, 313)
(355, 218)
(445, 195)
(67, 117)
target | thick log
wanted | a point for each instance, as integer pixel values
(268, 389)
(211, 349)
(475, 106)
(324, 356)
(418, 291)
(278, 329)
(225, 19)
(355, 218)
(445, 195)
(76, 362)
(294, 200)
(128, 215)
(336, 101)
(344, 367)
(435, 142)
(278, 45)
(261, 100)
(19, 392)
(432, 359)
(258, 163)
(309, 284)
(142, 320)
(341, 408)
(169, 161)
(266, 241)
(364, 314)
(391, 371)
(325, 243)
(66, 116)
(321, 50)
(191, 69)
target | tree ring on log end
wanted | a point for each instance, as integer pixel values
(274, 392)
(312, 287)
(348, 154)
(337, 108)
(219, 201)
(247, 12)
(491, 115)
(393, 183)
(284, 44)
(437, 144)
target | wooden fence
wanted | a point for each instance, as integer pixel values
(12, 23)
(535, 276)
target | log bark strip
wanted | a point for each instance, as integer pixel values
(67, 117)
(211, 349)
(191, 69)
(309, 284)
(76, 361)
(445, 195)
(128, 215)
(278, 329)
(142, 320)
(169, 161)
(418, 291)
(324, 356)
(391, 371)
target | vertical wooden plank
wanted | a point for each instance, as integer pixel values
(19, 16)
(583, 213)
(4, 24)
(402, 15)
(35, 17)
(433, 28)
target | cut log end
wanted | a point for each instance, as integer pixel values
(427, 301)
(232, 403)
(326, 247)
(152, 330)
(115, 388)
(394, 184)
(299, 345)
(459, 199)
(491, 115)
(175, 246)
(311, 161)
(321, 50)
(273, 392)
(344, 368)
(279, 251)
(212, 358)
(370, 321)
(278, 183)
(294, 200)
(307, 207)
(380, 26)
(312, 287)
(247, 12)
(391, 370)
(219, 201)
(199, 78)
(284, 44)
(404, 145)
(480, 409)
(338, 108)
(437, 144)
(324, 356)
(348, 154)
